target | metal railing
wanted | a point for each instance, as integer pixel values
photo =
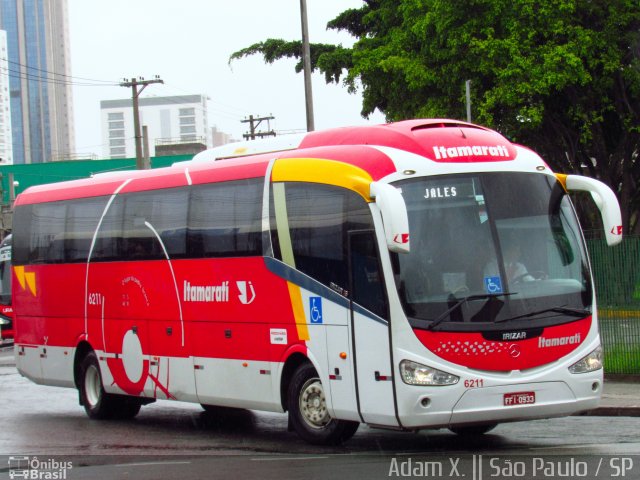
(616, 272)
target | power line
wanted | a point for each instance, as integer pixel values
(220, 112)
(28, 76)
(107, 82)
(243, 111)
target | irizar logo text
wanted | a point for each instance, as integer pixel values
(514, 335)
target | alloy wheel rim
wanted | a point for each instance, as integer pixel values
(313, 404)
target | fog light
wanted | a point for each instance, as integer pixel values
(414, 373)
(589, 363)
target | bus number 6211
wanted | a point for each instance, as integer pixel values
(474, 383)
(95, 299)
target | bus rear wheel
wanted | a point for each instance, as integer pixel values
(308, 412)
(99, 404)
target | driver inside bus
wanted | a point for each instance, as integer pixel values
(514, 269)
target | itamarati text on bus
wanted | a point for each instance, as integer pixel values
(415, 275)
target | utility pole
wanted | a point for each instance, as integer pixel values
(134, 83)
(306, 64)
(146, 158)
(254, 122)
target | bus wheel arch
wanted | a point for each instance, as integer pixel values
(82, 350)
(97, 403)
(308, 415)
(291, 365)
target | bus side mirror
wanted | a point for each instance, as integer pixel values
(605, 200)
(394, 216)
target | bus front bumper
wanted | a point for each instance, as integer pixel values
(520, 402)
(509, 403)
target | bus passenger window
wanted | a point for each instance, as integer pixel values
(225, 219)
(319, 219)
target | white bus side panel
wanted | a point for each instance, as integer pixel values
(28, 362)
(341, 381)
(235, 383)
(375, 382)
(57, 366)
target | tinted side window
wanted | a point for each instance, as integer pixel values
(22, 233)
(82, 220)
(161, 212)
(169, 219)
(225, 219)
(320, 217)
(56, 232)
(108, 240)
(46, 241)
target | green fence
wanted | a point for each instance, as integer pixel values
(616, 272)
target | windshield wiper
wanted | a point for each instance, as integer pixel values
(437, 321)
(576, 312)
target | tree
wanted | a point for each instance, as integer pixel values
(560, 76)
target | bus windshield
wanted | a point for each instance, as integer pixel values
(491, 249)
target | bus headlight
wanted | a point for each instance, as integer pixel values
(4, 321)
(413, 373)
(590, 363)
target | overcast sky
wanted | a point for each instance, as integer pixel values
(188, 44)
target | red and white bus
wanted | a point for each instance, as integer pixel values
(415, 275)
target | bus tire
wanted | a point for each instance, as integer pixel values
(473, 429)
(98, 404)
(308, 413)
(125, 407)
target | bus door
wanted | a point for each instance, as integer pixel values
(371, 331)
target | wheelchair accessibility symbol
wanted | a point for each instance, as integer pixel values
(493, 284)
(315, 309)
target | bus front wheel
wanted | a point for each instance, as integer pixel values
(99, 404)
(308, 412)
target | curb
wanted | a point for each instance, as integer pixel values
(611, 412)
(621, 377)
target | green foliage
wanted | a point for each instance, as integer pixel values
(561, 76)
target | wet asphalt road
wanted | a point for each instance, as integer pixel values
(178, 440)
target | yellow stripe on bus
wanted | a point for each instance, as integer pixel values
(26, 279)
(330, 172)
(298, 311)
(562, 178)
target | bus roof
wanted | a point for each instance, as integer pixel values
(438, 140)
